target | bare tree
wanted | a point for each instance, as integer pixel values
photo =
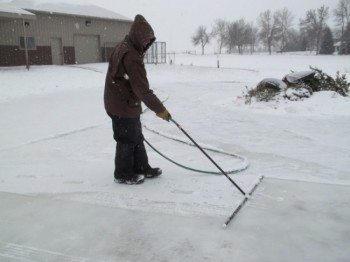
(347, 39)
(327, 43)
(323, 15)
(252, 36)
(249, 35)
(238, 35)
(267, 28)
(308, 29)
(241, 35)
(342, 19)
(219, 31)
(295, 42)
(313, 24)
(201, 37)
(230, 37)
(283, 22)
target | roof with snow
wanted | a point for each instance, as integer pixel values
(11, 11)
(20, 8)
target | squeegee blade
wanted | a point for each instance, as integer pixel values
(244, 200)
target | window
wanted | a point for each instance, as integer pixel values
(30, 43)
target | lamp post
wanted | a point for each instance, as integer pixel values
(26, 24)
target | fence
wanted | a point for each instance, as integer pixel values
(156, 54)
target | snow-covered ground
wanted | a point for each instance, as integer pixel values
(57, 150)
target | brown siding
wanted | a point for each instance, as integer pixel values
(13, 56)
(69, 55)
(40, 56)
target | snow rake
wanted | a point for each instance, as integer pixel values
(246, 195)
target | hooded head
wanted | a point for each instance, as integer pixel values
(141, 34)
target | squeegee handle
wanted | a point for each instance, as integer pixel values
(205, 153)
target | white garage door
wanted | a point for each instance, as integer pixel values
(87, 49)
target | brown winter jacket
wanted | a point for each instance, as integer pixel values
(126, 82)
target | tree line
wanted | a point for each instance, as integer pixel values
(278, 30)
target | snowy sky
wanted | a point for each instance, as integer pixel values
(175, 21)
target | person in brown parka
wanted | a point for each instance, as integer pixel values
(126, 86)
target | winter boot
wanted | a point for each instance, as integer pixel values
(141, 165)
(135, 179)
(152, 172)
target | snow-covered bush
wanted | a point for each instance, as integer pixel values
(296, 94)
(297, 86)
(324, 82)
(266, 90)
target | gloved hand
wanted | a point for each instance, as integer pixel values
(164, 115)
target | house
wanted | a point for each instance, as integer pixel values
(57, 33)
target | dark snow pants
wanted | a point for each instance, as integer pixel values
(131, 156)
